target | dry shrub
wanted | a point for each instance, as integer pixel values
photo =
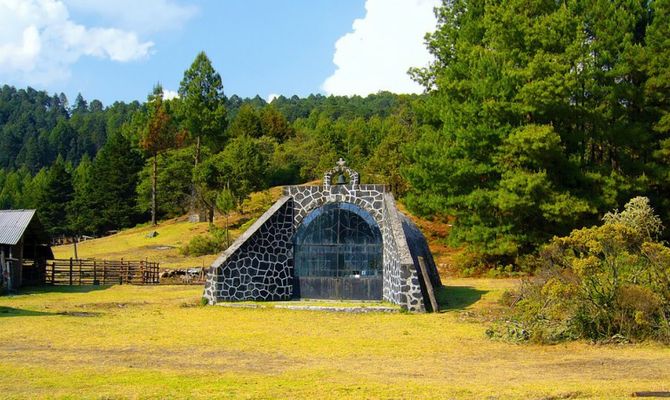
(601, 283)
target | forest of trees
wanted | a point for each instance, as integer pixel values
(538, 118)
(545, 115)
(89, 169)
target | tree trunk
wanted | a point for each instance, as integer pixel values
(194, 191)
(75, 240)
(154, 179)
(197, 151)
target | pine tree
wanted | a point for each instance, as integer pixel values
(114, 181)
(81, 213)
(202, 106)
(158, 135)
(55, 198)
(203, 103)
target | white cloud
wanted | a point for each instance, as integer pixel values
(39, 42)
(170, 94)
(271, 97)
(142, 16)
(382, 47)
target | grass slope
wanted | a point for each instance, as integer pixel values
(133, 244)
(154, 342)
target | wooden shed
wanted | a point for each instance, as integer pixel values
(24, 249)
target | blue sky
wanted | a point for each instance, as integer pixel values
(117, 50)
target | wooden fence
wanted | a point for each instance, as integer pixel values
(101, 272)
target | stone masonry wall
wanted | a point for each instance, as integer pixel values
(308, 198)
(258, 265)
(401, 278)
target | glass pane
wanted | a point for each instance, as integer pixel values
(338, 240)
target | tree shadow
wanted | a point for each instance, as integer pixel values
(62, 289)
(457, 297)
(18, 312)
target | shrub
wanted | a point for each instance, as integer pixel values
(213, 242)
(601, 283)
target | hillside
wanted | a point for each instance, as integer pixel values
(134, 243)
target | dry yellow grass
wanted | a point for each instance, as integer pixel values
(154, 342)
(133, 244)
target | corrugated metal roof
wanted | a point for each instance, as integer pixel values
(12, 225)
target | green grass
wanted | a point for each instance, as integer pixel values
(156, 342)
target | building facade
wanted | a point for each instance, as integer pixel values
(332, 241)
(24, 249)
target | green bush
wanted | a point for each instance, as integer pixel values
(213, 242)
(605, 283)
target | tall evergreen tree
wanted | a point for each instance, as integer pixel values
(81, 212)
(159, 134)
(55, 198)
(114, 180)
(203, 103)
(174, 178)
(202, 106)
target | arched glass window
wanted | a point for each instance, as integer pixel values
(338, 240)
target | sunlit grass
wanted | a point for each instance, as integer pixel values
(133, 244)
(156, 342)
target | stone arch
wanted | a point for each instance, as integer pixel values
(371, 201)
(341, 167)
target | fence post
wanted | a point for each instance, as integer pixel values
(53, 272)
(70, 271)
(80, 272)
(95, 274)
(104, 272)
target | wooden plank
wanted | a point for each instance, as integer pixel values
(429, 284)
(70, 271)
(113, 271)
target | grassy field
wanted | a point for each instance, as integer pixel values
(155, 342)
